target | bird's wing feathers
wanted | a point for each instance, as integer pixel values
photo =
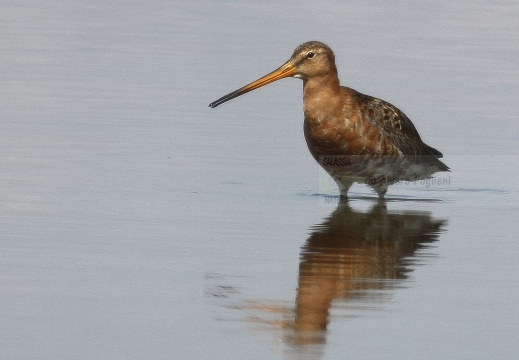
(393, 121)
(394, 124)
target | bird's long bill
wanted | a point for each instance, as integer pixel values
(286, 70)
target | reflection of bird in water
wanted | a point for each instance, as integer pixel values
(354, 256)
(354, 137)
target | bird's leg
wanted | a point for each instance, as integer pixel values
(344, 185)
(381, 190)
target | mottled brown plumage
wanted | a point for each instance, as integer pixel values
(354, 137)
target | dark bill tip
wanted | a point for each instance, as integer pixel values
(226, 98)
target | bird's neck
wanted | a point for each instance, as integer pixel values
(321, 95)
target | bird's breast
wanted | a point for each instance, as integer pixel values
(345, 134)
(334, 135)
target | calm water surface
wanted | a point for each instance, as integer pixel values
(137, 223)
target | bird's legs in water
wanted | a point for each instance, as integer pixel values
(345, 183)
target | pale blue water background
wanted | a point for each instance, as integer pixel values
(137, 223)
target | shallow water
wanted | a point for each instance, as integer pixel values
(139, 223)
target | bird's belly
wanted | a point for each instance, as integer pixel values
(379, 169)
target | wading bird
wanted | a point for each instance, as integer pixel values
(354, 137)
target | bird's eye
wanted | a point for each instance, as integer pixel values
(310, 55)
